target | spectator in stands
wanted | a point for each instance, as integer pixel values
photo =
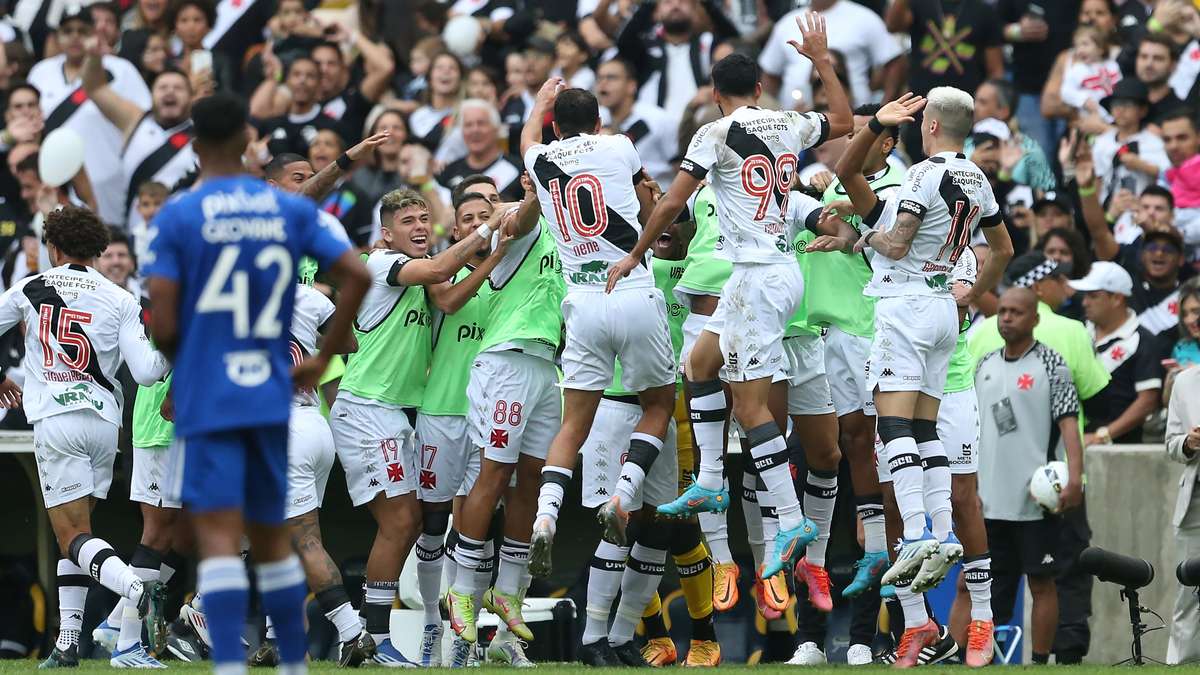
(1128, 156)
(1053, 210)
(959, 49)
(191, 21)
(483, 83)
(1183, 446)
(292, 131)
(381, 172)
(570, 61)
(481, 134)
(1099, 14)
(343, 100)
(1067, 247)
(649, 127)
(1128, 352)
(1038, 32)
(117, 263)
(994, 100)
(58, 78)
(107, 28)
(1156, 281)
(428, 124)
(23, 123)
(345, 201)
(672, 54)
(1030, 403)
(1185, 353)
(1157, 57)
(870, 54)
(1182, 143)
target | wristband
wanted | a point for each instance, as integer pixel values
(875, 125)
(484, 231)
(428, 186)
(1103, 434)
(344, 162)
(1154, 25)
(868, 235)
(1087, 191)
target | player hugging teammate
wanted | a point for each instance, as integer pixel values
(829, 323)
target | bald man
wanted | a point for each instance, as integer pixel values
(1026, 402)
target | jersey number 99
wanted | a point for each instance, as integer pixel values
(236, 300)
(761, 180)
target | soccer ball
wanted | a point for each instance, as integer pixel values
(1046, 484)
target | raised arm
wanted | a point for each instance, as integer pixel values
(443, 266)
(124, 114)
(531, 133)
(145, 364)
(849, 168)
(816, 49)
(322, 182)
(450, 298)
(664, 214)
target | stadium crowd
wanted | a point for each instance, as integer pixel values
(1085, 125)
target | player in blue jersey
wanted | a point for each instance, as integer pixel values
(221, 266)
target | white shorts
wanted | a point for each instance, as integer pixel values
(75, 452)
(310, 457)
(958, 427)
(630, 325)
(377, 448)
(808, 390)
(516, 406)
(447, 460)
(914, 340)
(150, 482)
(846, 371)
(756, 305)
(605, 450)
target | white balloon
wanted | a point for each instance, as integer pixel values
(60, 157)
(461, 35)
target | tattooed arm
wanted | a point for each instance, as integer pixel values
(895, 242)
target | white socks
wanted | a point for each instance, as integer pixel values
(604, 579)
(820, 496)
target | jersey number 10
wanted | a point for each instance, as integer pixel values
(214, 297)
(595, 194)
(761, 180)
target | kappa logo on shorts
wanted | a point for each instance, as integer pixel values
(428, 479)
(753, 361)
(887, 372)
(602, 491)
(395, 472)
(373, 483)
(154, 487)
(499, 438)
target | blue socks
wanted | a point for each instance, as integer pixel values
(226, 589)
(282, 588)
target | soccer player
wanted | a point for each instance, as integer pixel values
(751, 154)
(616, 418)
(922, 234)
(79, 327)
(593, 192)
(221, 270)
(374, 415)
(515, 408)
(310, 458)
(448, 462)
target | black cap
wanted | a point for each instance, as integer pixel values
(1030, 268)
(538, 43)
(76, 12)
(1170, 234)
(1127, 89)
(1059, 199)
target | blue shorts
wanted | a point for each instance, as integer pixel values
(242, 469)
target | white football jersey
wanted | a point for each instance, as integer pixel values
(750, 158)
(313, 309)
(952, 198)
(79, 328)
(586, 188)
